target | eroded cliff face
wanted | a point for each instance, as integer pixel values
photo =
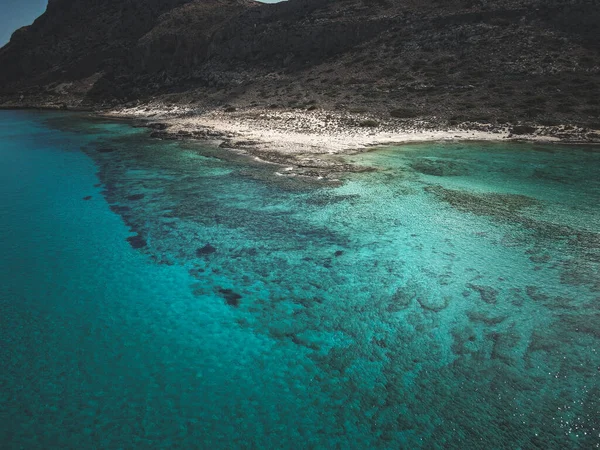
(181, 39)
(512, 60)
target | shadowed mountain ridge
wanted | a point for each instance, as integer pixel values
(515, 60)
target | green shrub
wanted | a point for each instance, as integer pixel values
(368, 123)
(467, 106)
(537, 100)
(404, 113)
(564, 108)
(522, 129)
(549, 122)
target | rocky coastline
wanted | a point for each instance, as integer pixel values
(310, 143)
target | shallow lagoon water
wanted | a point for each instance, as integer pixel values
(450, 299)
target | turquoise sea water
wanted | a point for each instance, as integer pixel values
(166, 295)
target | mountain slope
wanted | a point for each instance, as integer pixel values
(508, 60)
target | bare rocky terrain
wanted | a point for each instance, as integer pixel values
(506, 63)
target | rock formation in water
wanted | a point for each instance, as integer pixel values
(455, 60)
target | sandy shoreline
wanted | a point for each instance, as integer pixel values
(309, 140)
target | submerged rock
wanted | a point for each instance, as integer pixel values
(137, 241)
(540, 259)
(120, 209)
(579, 323)
(89, 197)
(196, 272)
(231, 298)
(403, 297)
(206, 250)
(198, 289)
(504, 345)
(487, 293)
(477, 316)
(162, 135)
(438, 167)
(500, 206)
(535, 294)
(435, 304)
(463, 341)
(157, 126)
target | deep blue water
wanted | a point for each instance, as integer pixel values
(449, 299)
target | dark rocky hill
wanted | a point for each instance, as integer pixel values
(456, 60)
